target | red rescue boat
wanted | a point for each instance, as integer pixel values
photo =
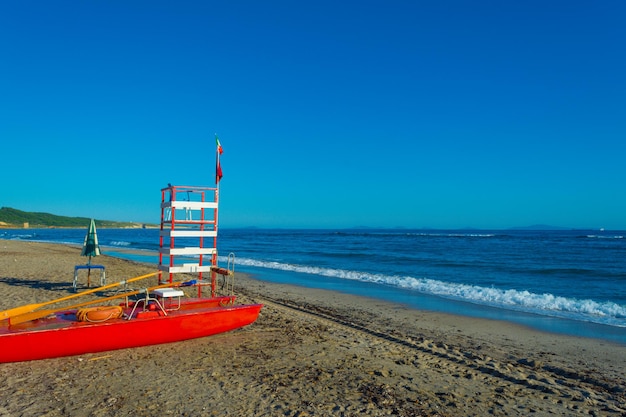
(62, 334)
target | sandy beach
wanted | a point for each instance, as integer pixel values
(310, 353)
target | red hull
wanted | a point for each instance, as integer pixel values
(62, 335)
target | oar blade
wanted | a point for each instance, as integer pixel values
(33, 315)
(7, 314)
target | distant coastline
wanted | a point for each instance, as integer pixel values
(546, 227)
(4, 225)
(11, 218)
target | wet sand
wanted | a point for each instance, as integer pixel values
(310, 353)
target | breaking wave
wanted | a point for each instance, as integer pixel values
(608, 313)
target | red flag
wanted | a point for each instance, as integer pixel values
(218, 171)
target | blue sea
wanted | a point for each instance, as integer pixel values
(571, 282)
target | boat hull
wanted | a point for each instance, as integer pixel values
(62, 335)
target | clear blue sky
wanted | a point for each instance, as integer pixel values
(442, 114)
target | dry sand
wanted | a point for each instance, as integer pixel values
(310, 353)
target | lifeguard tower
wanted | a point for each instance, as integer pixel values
(188, 236)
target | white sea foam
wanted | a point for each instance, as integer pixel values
(119, 243)
(521, 300)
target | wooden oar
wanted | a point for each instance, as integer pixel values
(7, 314)
(43, 313)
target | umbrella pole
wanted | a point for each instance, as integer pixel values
(89, 272)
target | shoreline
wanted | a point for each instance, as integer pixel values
(311, 352)
(554, 325)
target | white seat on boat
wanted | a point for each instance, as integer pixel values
(169, 293)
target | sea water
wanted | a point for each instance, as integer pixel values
(565, 281)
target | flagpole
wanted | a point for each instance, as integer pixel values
(218, 175)
(218, 167)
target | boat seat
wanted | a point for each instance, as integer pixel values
(167, 296)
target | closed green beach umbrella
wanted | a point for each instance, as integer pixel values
(90, 247)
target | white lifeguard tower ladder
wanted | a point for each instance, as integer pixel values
(188, 237)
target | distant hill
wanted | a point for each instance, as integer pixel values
(13, 218)
(540, 227)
